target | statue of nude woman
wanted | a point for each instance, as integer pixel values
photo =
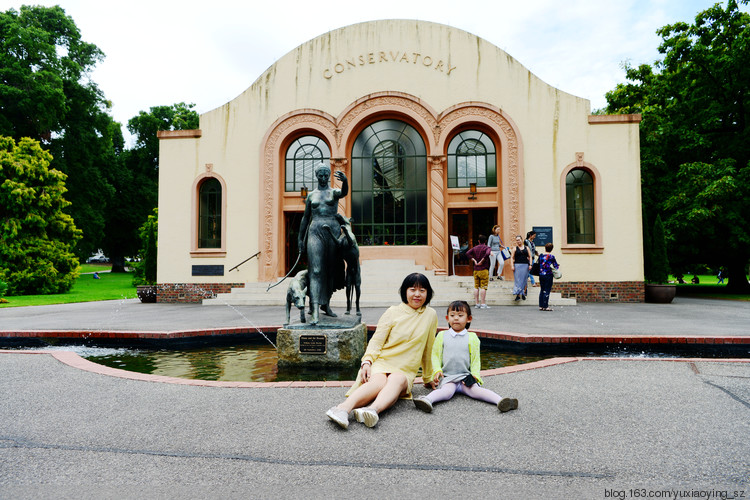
(324, 258)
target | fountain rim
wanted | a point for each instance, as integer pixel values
(74, 360)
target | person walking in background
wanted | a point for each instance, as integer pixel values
(480, 257)
(530, 237)
(520, 258)
(456, 361)
(546, 262)
(496, 247)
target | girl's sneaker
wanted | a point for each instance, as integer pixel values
(507, 404)
(423, 404)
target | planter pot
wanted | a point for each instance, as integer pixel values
(147, 293)
(660, 294)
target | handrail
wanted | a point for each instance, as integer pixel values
(238, 265)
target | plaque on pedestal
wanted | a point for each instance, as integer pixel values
(332, 343)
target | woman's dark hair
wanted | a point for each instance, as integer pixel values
(529, 234)
(460, 305)
(548, 247)
(416, 279)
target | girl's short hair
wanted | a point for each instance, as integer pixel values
(416, 279)
(548, 247)
(460, 305)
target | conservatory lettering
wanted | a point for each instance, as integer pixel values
(399, 57)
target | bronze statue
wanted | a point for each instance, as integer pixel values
(350, 249)
(324, 257)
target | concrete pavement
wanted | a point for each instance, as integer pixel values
(686, 316)
(585, 428)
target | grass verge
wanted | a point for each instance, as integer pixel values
(86, 289)
(707, 288)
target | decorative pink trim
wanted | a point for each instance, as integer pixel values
(179, 134)
(607, 119)
(598, 245)
(508, 196)
(340, 133)
(74, 360)
(195, 210)
(272, 150)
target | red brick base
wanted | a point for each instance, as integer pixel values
(601, 291)
(192, 292)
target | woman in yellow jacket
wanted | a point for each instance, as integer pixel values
(456, 351)
(401, 344)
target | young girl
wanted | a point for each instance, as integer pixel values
(457, 351)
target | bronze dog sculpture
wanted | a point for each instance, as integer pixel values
(296, 294)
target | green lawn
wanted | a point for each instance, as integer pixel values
(705, 279)
(86, 289)
(708, 288)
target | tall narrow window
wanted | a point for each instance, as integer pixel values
(389, 185)
(301, 157)
(471, 158)
(209, 214)
(579, 200)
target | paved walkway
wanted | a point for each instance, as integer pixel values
(685, 316)
(584, 428)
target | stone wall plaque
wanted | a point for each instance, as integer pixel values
(313, 344)
(210, 270)
(543, 236)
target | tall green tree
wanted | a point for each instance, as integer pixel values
(36, 235)
(46, 94)
(42, 52)
(695, 138)
(135, 183)
(145, 269)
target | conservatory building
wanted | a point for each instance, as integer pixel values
(441, 136)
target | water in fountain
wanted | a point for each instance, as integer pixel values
(208, 294)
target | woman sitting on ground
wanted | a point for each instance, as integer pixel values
(401, 344)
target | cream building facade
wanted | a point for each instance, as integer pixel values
(439, 132)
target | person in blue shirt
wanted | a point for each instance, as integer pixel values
(546, 262)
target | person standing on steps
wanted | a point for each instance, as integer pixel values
(546, 262)
(520, 260)
(530, 237)
(496, 247)
(480, 258)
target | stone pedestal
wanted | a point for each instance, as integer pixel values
(324, 345)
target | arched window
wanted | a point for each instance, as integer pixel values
(301, 157)
(389, 185)
(580, 207)
(209, 214)
(471, 158)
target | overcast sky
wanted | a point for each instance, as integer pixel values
(160, 52)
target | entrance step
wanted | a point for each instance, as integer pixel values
(381, 280)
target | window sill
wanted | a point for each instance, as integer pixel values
(582, 249)
(208, 252)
